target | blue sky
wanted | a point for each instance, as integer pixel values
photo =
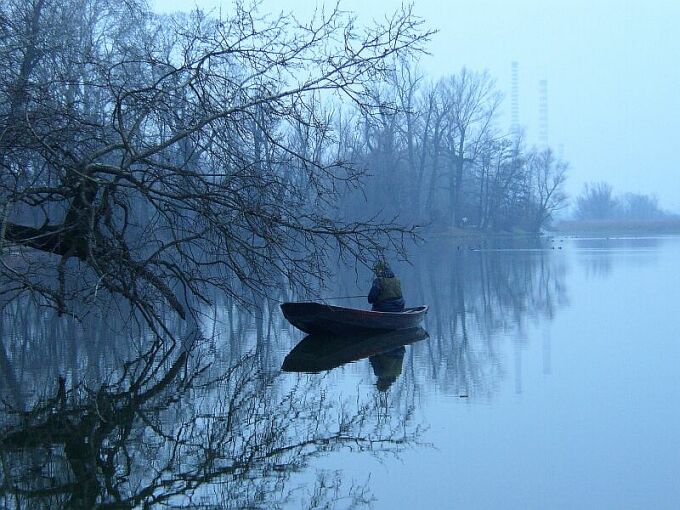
(612, 71)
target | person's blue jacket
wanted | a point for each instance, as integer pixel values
(385, 294)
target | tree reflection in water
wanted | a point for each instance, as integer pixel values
(176, 425)
(481, 293)
(214, 422)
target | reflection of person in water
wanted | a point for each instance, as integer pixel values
(387, 367)
(385, 294)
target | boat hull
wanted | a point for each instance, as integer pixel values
(321, 319)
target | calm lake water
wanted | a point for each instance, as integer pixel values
(550, 379)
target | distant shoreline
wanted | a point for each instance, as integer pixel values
(668, 226)
(634, 227)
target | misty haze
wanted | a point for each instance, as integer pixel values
(339, 255)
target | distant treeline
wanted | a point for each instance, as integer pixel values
(598, 209)
(597, 201)
(436, 156)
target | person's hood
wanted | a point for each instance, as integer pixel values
(386, 273)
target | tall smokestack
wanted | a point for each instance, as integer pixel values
(514, 100)
(543, 113)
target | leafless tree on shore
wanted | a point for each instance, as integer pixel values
(152, 157)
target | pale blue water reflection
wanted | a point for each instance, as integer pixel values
(549, 380)
(569, 359)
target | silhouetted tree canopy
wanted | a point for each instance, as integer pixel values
(158, 157)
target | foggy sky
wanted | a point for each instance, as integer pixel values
(611, 65)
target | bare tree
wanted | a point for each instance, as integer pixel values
(474, 101)
(639, 206)
(151, 157)
(438, 109)
(596, 202)
(549, 175)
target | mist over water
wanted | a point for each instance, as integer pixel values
(549, 380)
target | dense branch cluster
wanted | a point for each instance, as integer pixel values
(158, 157)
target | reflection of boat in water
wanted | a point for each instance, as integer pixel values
(317, 318)
(316, 353)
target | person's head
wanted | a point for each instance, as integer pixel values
(380, 267)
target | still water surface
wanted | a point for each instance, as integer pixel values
(571, 363)
(550, 379)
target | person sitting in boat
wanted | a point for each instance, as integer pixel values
(385, 294)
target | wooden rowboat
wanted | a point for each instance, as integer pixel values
(317, 318)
